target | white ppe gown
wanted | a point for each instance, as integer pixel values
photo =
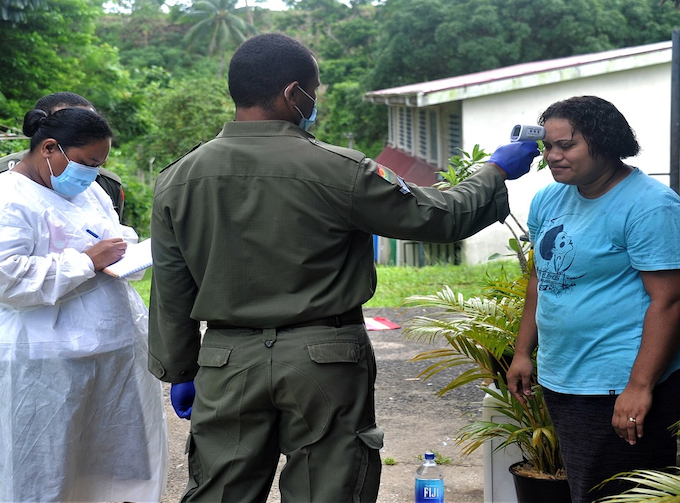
(81, 418)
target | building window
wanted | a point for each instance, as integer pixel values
(422, 134)
(392, 126)
(409, 130)
(434, 138)
(454, 135)
(402, 128)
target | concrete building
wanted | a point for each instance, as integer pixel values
(430, 121)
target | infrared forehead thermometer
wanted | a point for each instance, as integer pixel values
(527, 133)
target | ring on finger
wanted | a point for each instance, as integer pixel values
(631, 419)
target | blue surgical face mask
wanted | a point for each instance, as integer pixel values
(74, 179)
(306, 123)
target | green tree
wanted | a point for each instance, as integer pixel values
(147, 40)
(217, 22)
(57, 50)
(349, 121)
(188, 112)
(341, 36)
(407, 50)
(182, 118)
(14, 11)
(431, 39)
(41, 53)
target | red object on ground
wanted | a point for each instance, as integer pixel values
(379, 323)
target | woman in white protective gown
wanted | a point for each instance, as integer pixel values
(81, 418)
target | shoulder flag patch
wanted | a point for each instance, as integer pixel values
(384, 173)
(388, 175)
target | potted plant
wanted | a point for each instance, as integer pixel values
(482, 331)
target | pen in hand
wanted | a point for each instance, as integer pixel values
(106, 251)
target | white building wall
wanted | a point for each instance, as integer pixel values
(642, 95)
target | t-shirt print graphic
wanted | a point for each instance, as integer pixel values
(557, 249)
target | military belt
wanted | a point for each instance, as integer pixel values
(352, 317)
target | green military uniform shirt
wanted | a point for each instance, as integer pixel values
(265, 226)
(108, 180)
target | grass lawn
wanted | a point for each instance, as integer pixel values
(397, 283)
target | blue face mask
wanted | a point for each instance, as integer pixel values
(306, 123)
(74, 179)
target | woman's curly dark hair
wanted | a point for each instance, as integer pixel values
(604, 128)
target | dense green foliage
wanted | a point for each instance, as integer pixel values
(15, 10)
(431, 39)
(157, 72)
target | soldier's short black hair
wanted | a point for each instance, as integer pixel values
(71, 127)
(604, 128)
(62, 99)
(263, 66)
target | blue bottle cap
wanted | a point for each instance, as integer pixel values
(429, 455)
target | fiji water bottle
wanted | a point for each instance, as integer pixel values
(429, 481)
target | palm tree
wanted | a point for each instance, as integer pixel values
(249, 13)
(217, 21)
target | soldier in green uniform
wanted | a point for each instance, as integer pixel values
(266, 232)
(108, 180)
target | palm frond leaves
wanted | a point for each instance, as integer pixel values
(528, 427)
(217, 22)
(474, 328)
(651, 486)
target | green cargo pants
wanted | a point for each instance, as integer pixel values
(305, 392)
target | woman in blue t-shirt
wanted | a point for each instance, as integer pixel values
(603, 300)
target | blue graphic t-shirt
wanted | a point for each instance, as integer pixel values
(591, 300)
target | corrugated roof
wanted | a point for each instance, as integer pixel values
(523, 75)
(409, 168)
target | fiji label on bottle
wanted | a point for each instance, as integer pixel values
(429, 491)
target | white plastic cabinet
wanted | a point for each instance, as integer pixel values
(498, 484)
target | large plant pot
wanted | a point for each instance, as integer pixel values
(539, 490)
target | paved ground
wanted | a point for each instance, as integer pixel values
(413, 418)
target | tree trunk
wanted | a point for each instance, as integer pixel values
(220, 72)
(249, 14)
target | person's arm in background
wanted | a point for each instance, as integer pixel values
(660, 343)
(521, 372)
(113, 185)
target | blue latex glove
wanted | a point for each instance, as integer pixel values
(515, 158)
(182, 398)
